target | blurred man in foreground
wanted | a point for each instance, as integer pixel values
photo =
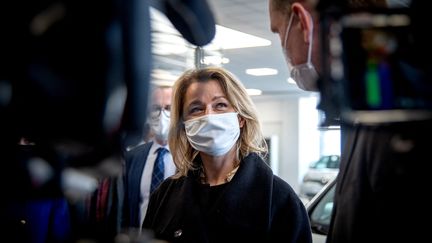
(382, 165)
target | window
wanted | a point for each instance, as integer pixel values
(321, 214)
(329, 162)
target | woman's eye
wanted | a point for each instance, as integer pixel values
(221, 105)
(194, 110)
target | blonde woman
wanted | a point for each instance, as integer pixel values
(223, 191)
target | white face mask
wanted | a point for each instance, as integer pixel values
(160, 126)
(304, 74)
(213, 134)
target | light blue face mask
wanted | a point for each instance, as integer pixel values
(303, 74)
(213, 134)
(160, 125)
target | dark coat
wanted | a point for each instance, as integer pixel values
(135, 161)
(256, 206)
(384, 172)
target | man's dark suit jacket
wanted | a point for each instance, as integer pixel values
(135, 161)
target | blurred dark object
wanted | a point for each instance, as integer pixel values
(74, 75)
(34, 208)
(193, 18)
(74, 80)
(373, 70)
(78, 74)
(37, 221)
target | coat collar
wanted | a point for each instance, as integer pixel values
(253, 178)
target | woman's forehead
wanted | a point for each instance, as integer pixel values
(203, 91)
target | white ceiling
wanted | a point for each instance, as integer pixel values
(251, 17)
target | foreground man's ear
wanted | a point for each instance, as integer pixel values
(305, 20)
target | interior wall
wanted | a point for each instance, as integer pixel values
(279, 117)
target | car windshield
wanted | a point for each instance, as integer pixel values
(322, 213)
(329, 162)
(320, 210)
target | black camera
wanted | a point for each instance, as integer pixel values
(376, 63)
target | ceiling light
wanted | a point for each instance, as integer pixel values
(162, 83)
(215, 60)
(291, 80)
(261, 71)
(254, 91)
(163, 32)
(163, 78)
(227, 38)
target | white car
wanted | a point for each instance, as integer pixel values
(320, 209)
(319, 174)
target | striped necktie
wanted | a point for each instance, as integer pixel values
(158, 169)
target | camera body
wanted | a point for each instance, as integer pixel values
(374, 65)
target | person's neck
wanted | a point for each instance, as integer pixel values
(219, 170)
(162, 143)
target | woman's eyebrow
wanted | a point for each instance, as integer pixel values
(219, 97)
(193, 102)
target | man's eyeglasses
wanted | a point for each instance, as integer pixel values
(156, 111)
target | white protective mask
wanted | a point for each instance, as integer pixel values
(304, 74)
(213, 134)
(160, 126)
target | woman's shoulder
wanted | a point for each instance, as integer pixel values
(283, 189)
(172, 182)
(278, 184)
(281, 183)
(261, 165)
(171, 187)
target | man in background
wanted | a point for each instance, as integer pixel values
(143, 161)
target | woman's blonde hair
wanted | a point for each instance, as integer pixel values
(251, 138)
